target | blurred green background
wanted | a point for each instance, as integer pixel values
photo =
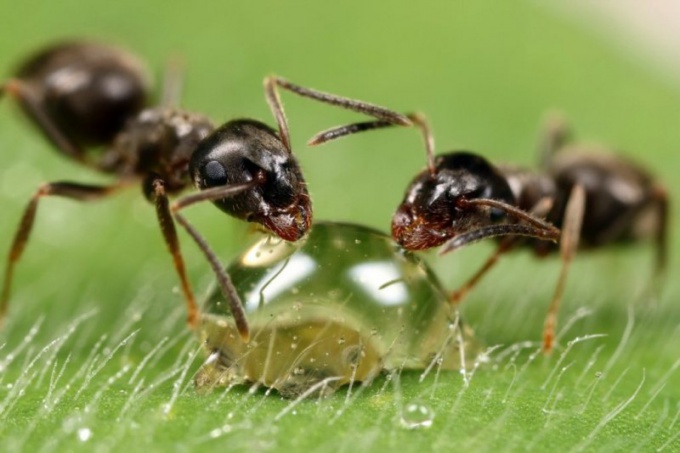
(484, 72)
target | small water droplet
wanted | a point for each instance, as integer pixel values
(175, 290)
(417, 416)
(293, 346)
(84, 434)
(297, 306)
(357, 241)
(341, 340)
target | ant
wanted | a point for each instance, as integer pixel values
(91, 101)
(595, 197)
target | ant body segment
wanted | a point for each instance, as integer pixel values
(595, 198)
(91, 101)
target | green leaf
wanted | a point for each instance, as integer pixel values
(95, 353)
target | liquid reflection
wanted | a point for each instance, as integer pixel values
(381, 281)
(345, 303)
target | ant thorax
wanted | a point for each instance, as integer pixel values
(158, 141)
(338, 307)
(528, 186)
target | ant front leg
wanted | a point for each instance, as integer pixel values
(155, 190)
(166, 213)
(457, 296)
(571, 233)
(273, 99)
(74, 191)
(28, 99)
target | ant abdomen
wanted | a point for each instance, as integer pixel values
(617, 193)
(87, 90)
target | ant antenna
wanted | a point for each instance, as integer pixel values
(536, 227)
(509, 209)
(509, 229)
(386, 117)
(412, 119)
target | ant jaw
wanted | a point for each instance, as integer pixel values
(414, 233)
(290, 224)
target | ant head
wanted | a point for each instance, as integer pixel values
(87, 89)
(242, 151)
(435, 208)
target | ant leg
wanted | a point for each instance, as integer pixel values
(75, 191)
(27, 98)
(571, 232)
(223, 279)
(555, 133)
(271, 84)
(155, 188)
(457, 296)
(417, 119)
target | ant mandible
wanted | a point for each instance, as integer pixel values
(595, 197)
(86, 95)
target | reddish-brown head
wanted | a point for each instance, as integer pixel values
(434, 209)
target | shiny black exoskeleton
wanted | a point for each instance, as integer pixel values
(91, 101)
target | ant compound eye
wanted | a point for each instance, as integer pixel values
(214, 174)
(345, 302)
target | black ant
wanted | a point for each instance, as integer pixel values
(595, 197)
(91, 101)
